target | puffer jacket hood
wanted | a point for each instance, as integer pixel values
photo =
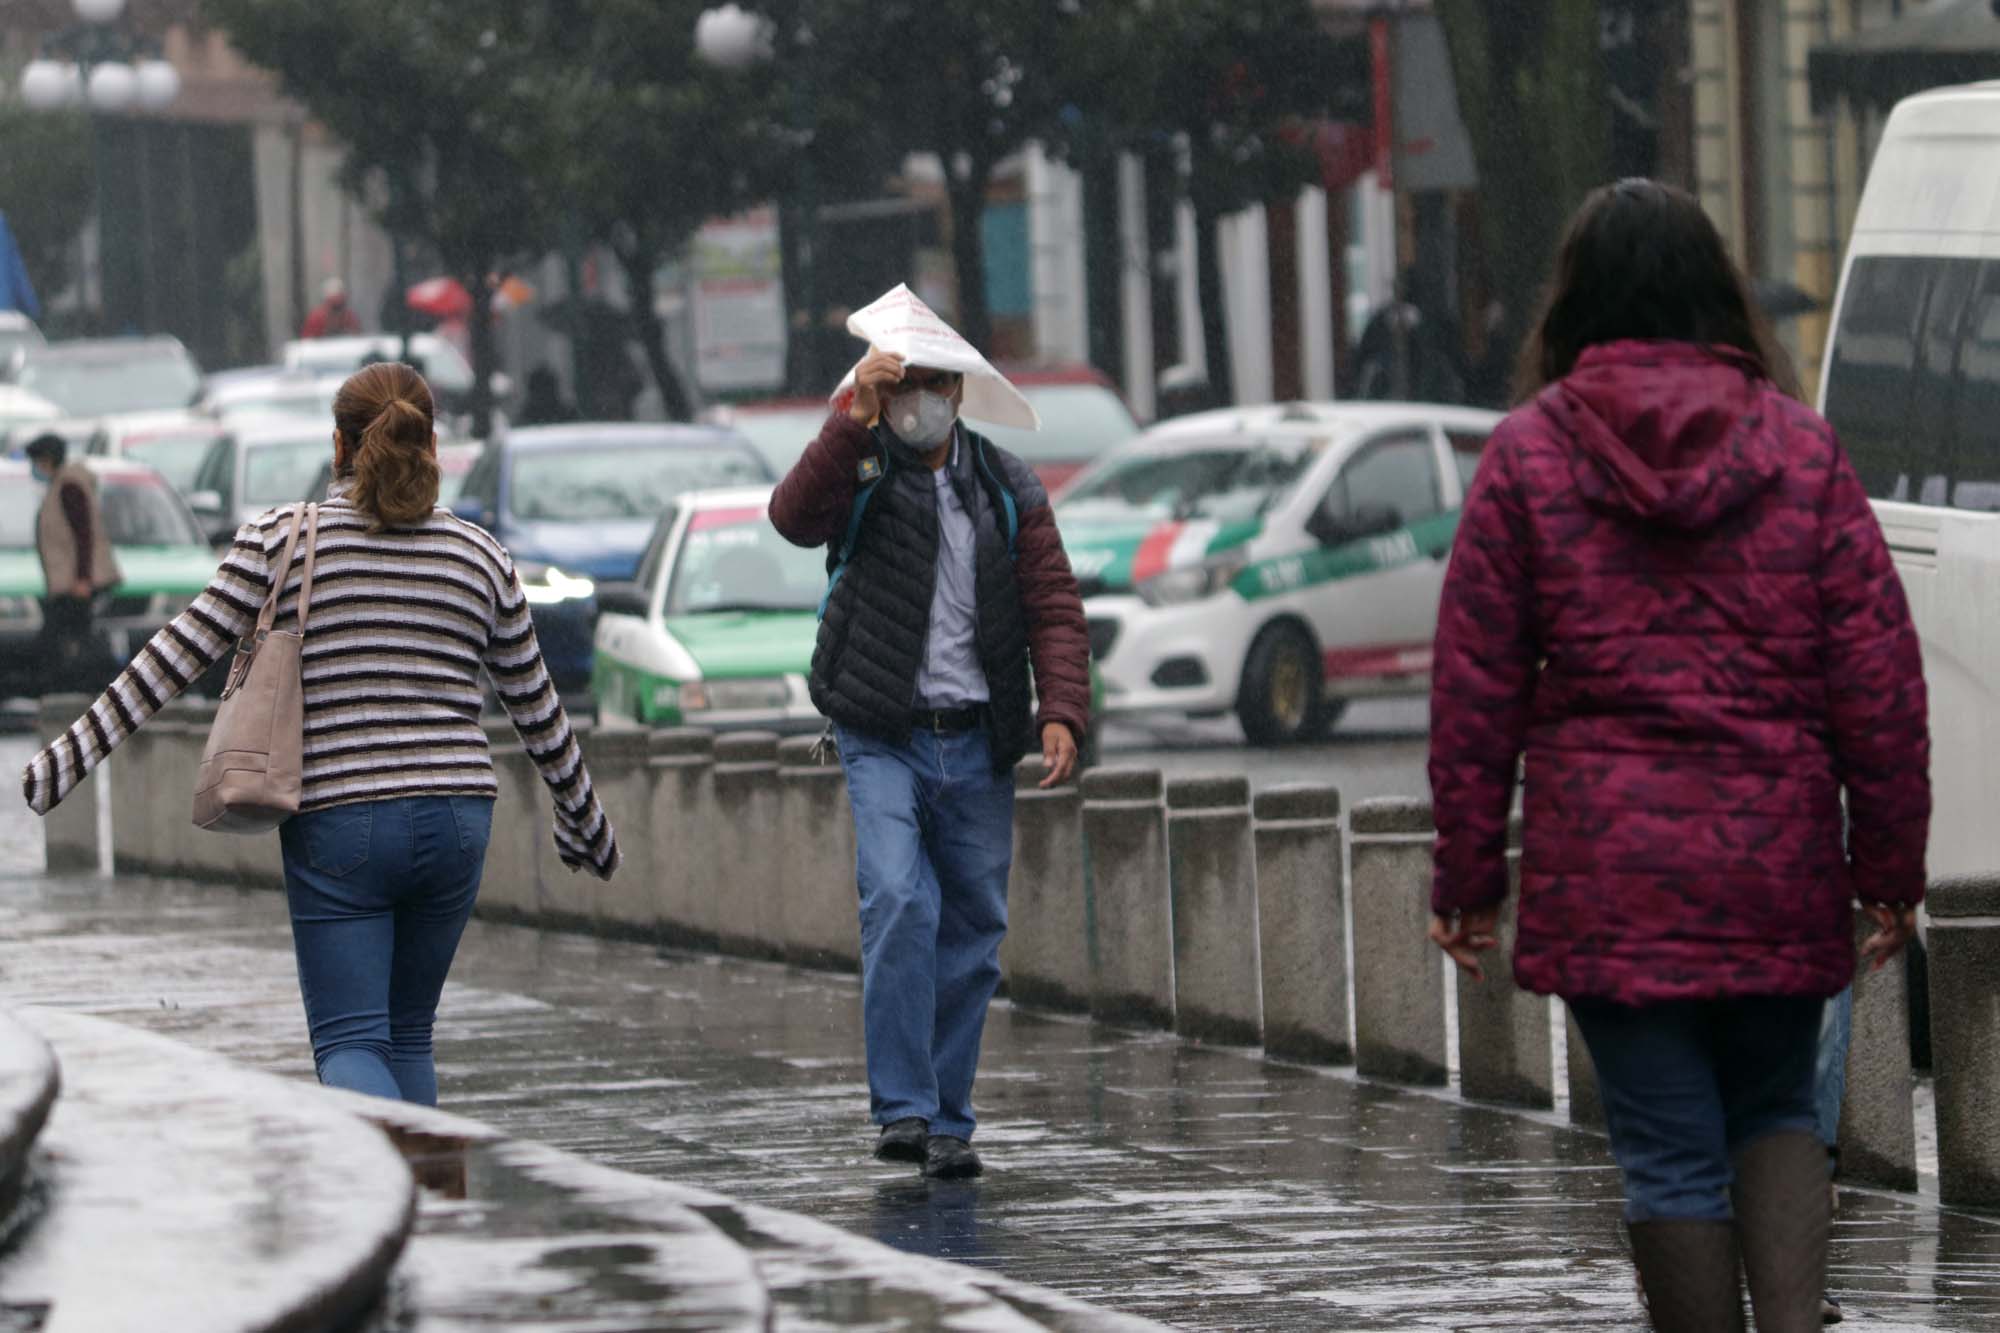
(1669, 433)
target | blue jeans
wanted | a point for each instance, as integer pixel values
(380, 893)
(1687, 1085)
(1836, 1033)
(934, 838)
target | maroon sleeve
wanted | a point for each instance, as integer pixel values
(811, 505)
(76, 508)
(1875, 689)
(1482, 686)
(1058, 637)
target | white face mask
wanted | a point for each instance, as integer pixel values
(923, 418)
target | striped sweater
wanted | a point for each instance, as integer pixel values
(402, 623)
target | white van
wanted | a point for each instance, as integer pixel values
(1911, 382)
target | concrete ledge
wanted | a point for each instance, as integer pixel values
(1971, 895)
(1123, 784)
(1298, 800)
(1393, 815)
(185, 1192)
(1212, 792)
(29, 1080)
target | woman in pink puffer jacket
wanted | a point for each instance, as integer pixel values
(1670, 594)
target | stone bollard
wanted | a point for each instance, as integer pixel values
(132, 785)
(1586, 1102)
(507, 887)
(199, 854)
(749, 898)
(620, 772)
(1045, 958)
(1132, 923)
(1965, 1039)
(69, 832)
(821, 921)
(1399, 1028)
(169, 799)
(1878, 1119)
(688, 873)
(1505, 1052)
(1212, 871)
(1302, 924)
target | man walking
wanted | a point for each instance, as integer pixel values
(332, 317)
(949, 583)
(77, 564)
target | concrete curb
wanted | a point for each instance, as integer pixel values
(234, 1201)
(29, 1081)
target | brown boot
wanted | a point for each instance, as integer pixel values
(1782, 1223)
(1688, 1273)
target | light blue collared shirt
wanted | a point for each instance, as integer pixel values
(950, 675)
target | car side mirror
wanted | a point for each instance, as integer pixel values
(624, 599)
(206, 504)
(1361, 522)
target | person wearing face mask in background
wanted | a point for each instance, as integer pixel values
(77, 564)
(948, 581)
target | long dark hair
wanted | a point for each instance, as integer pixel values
(1641, 260)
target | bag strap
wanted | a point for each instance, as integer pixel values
(269, 615)
(312, 558)
(1010, 509)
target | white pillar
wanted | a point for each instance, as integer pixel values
(1055, 250)
(1246, 285)
(1315, 295)
(1135, 288)
(1194, 352)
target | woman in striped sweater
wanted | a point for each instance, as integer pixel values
(383, 861)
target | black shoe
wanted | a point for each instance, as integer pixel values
(1829, 1310)
(947, 1158)
(902, 1141)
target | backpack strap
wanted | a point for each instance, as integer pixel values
(1010, 508)
(874, 471)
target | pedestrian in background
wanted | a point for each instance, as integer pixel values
(77, 565)
(949, 580)
(409, 605)
(1669, 592)
(333, 317)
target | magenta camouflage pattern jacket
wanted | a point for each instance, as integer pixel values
(1669, 593)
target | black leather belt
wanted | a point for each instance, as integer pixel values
(949, 721)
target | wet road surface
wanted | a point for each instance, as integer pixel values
(1378, 749)
(1202, 1187)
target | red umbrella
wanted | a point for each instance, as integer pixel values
(444, 298)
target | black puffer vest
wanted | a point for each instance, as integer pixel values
(871, 639)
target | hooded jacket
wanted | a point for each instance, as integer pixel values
(1669, 593)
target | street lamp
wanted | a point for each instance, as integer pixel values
(731, 38)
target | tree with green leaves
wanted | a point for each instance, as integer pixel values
(448, 103)
(1533, 95)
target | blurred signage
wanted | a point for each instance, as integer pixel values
(738, 296)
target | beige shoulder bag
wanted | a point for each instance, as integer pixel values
(251, 771)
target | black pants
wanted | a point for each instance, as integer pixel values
(70, 659)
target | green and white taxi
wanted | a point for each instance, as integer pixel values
(718, 628)
(1272, 561)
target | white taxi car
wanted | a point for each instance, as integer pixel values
(1272, 561)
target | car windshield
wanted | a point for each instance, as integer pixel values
(781, 435)
(454, 466)
(1229, 483)
(138, 511)
(100, 386)
(734, 560)
(283, 471)
(1079, 423)
(440, 362)
(176, 454)
(582, 485)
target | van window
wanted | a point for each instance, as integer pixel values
(1977, 418)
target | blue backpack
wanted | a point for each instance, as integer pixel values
(875, 471)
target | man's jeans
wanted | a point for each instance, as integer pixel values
(1687, 1085)
(934, 833)
(380, 892)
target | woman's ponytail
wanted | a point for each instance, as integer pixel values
(384, 413)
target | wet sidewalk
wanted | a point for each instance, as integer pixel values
(1204, 1188)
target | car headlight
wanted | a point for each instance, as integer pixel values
(1179, 586)
(545, 585)
(735, 696)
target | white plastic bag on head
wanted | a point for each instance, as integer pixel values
(902, 325)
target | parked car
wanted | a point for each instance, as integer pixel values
(17, 332)
(718, 628)
(247, 471)
(265, 391)
(1274, 561)
(455, 460)
(444, 367)
(23, 415)
(577, 504)
(101, 377)
(160, 548)
(781, 428)
(174, 443)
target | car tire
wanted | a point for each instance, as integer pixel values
(1282, 699)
